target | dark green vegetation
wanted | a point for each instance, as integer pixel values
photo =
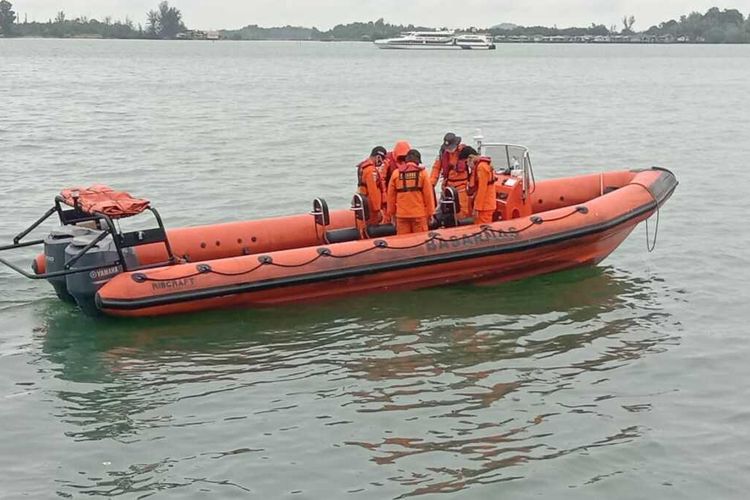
(715, 26)
(81, 27)
(164, 22)
(512, 30)
(7, 17)
(352, 32)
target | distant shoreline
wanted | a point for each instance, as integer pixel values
(714, 27)
(503, 42)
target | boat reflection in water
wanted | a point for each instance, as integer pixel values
(442, 388)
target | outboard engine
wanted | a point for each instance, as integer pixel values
(54, 256)
(84, 285)
(90, 248)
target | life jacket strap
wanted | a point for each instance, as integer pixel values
(409, 177)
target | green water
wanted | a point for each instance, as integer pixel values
(625, 380)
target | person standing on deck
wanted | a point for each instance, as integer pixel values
(370, 183)
(481, 184)
(453, 172)
(411, 198)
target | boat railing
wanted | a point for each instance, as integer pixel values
(73, 216)
(512, 158)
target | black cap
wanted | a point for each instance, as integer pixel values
(451, 139)
(466, 152)
(414, 155)
(379, 150)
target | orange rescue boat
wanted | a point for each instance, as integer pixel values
(540, 227)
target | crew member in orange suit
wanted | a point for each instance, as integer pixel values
(482, 184)
(370, 183)
(393, 159)
(453, 172)
(411, 199)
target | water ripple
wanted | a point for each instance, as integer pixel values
(603, 381)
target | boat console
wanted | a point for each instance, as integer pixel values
(515, 178)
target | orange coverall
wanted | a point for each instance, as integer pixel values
(411, 199)
(484, 187)
(447, 161)
(370, 184)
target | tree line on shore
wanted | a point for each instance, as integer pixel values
(165, 22)
(715, 26)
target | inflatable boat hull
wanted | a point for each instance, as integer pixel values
(574, 228)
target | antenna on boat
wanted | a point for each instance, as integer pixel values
(478, 139)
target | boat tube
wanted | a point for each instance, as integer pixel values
(540, 227)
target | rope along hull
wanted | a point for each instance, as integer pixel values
(580, 226)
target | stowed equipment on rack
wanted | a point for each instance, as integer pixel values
(89, 241)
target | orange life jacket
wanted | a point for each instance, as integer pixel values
(360, 174)
(447, 165)
(104, 199)
(409, 178)
(474, 177)
(410, 193)
(484, 193)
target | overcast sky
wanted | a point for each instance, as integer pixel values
(324, 14)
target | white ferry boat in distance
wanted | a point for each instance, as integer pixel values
(475, 41)
(437, 40)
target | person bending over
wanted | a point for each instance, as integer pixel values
(453, 172)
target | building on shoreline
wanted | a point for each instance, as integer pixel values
(198, 35)
(634, 38)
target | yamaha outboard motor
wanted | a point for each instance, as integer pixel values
(54, 255)
(83, 286)
(89, 248)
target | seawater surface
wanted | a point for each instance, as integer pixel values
(625, 380)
